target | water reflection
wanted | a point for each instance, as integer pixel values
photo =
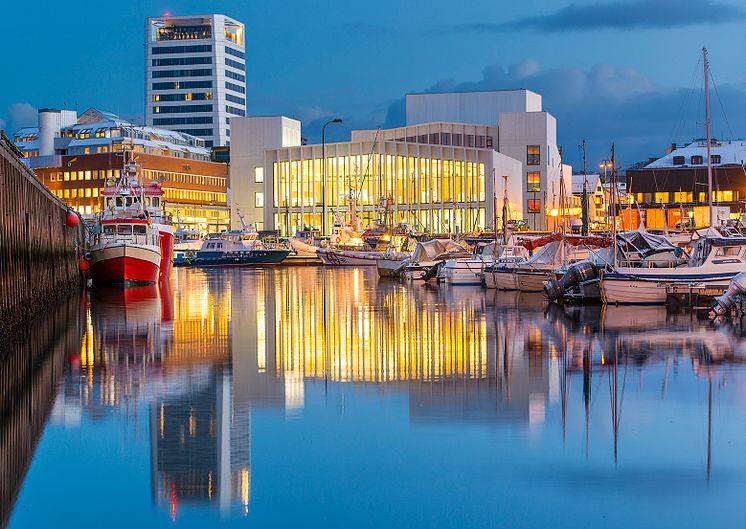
(184, 368)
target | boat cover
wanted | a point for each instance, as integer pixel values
(643, 242)
(437, 249)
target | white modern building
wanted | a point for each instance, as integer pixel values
(524, 132)
(195, 75)
(443, 172)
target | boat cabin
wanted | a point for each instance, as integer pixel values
(129, 231)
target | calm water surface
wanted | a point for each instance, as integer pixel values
(327, 398)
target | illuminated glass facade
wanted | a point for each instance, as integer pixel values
(432, 187)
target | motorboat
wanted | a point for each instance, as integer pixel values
(233, 248)
(469, 270)
(392, 264)
(713, 263)
(498, 274)
(428, 256)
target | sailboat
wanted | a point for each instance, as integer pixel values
(715, 259)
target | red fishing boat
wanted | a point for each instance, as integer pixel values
(134, 240)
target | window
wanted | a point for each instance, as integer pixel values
(457, 140)
(259, 199)
(233, 75)
(124, 229)
(181, 85)
(198, 120)
(181, 61)
(534, 180)
(489, 142)
(182, 73)
(234, 64)
(445, 138)
(235, 87)
(469, 140)
(683, 196)
(696, 160)
(422, 138)
(234, 99)
(235, 53)
(534, 205)
(258, 174)
(196, 132)
(715, 158)
(679, 160)
(235, 111)
(109, 229)
(181, 49)
(533, 155)
(661, 198)
(723, 196)
(181, 109)
(195, 96)
(139, 229)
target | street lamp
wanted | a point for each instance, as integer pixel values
(607, 164)
(323, 173)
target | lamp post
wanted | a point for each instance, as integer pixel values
(607, 164)
(323, 173)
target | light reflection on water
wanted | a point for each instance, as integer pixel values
(327, 397)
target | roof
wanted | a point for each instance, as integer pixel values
(577, 183)
(731, 152)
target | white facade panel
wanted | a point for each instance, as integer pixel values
(252, 136)
(478, 108)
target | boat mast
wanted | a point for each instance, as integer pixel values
(505, 209)
(584, 204)
(709, 141)
(613, 201)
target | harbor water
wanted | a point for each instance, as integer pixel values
(322, 397)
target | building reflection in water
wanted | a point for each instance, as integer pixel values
(202, 354)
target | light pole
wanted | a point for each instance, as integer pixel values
(607, 164)
(323, 173)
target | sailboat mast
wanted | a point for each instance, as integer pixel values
(505, 209)
(707, 127)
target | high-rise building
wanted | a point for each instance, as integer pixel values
(195, 75)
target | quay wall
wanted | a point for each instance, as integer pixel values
(38, 252)
(32, 364)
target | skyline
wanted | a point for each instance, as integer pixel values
(613, 90)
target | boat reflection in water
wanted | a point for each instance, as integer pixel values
(283, 360)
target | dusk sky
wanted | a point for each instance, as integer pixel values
(623, 71)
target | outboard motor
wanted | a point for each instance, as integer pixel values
(576, 274)
(723, 304)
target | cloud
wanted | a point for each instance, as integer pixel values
(21, 115)
(605, 104)
(620, 15)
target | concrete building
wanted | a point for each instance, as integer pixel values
(195, 75)
(75, 156)
(525, 133)
(442, 175)
(598, 196)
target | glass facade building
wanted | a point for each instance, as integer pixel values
(435, 188)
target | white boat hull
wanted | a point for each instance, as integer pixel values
(348, 258)
(531, 281)
(390, 267)
(462, 272)
(631, 291)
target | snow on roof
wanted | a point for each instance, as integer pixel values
(577, 183)
(731, 152)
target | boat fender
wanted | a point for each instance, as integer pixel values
(84, 263)
(71, 219)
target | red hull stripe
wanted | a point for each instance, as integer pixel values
(125, 269)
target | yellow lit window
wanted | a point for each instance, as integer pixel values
(88, 192)
(87, 175)
(683, 196)
(67, 193)
(87, 150)
(66, 175)
(156, 97)
(661, 198)
(534, 181)
(95, 192)
(702, 197)
(74, 175)
(188, 97)
(723, 196)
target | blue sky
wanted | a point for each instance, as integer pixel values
(609, 70)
